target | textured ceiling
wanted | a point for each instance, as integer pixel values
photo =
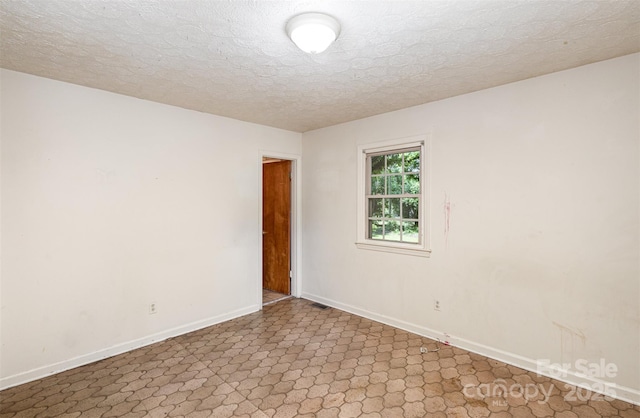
(233, 57)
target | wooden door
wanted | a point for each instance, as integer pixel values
(276, 226)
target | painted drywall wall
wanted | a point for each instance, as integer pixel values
(111, 203)
(534, 222)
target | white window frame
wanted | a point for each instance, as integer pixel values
(422, 248)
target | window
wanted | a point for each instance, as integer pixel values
(393, 196)
(392, 187)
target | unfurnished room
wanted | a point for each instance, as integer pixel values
(343, 208)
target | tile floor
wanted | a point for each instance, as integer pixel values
(269, 297)
(295, 360)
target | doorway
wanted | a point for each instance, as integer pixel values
(276, 229)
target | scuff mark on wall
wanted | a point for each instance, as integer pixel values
(447, 218)
(568, 341)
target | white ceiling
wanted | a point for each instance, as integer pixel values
(233, 57)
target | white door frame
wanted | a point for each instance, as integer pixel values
(296, 221)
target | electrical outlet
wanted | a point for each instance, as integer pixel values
(436, 305)
(153, 308)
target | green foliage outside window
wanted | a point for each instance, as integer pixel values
(394, 197)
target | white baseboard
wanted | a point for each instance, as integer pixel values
(40, 372)
(568, 376)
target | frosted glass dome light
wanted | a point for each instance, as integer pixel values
(313, 32)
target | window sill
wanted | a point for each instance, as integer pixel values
(397, 249)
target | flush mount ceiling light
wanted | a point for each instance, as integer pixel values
(313, 32)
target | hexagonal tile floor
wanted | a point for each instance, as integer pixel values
(269, 297)
(295, 360)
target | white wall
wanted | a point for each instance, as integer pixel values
(542, 257)
(110, 203)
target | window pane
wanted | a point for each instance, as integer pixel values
(375, 230)
(412, 184)
(393, 218)
(410, 208)
(394, 163)
(392, 230)
(412, 162)
(394, 183)
(377, 185)
(410, 232)
(375, 208)
(392, 208)
(377, 164)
